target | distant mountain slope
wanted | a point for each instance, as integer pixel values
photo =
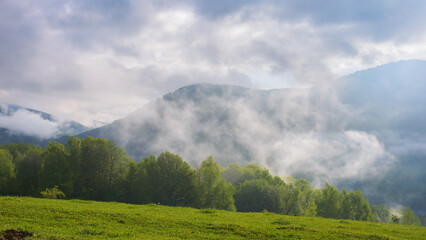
(390, 101)
(20, 124)
(391, 96)
(360, 131)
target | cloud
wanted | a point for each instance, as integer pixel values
(101, 60)
(298, 132)
(331, 157)
(28, 123)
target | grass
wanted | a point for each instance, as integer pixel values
(77, 219)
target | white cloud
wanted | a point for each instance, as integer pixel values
(292, 132)
(100, 61)
(330, 156)
(28, 123)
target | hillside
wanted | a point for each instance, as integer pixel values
(77, 219)
(363, 131)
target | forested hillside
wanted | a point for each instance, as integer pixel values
(97, 169)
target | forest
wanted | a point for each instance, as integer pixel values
(98, 169)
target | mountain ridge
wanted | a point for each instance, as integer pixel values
(349, 141)
(362, 131)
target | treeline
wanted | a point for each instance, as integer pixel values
(97, 169)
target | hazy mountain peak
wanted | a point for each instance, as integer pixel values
(196, 92)
(24, 124)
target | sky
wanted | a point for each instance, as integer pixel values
(101, 60)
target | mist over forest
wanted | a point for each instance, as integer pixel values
(98, 169)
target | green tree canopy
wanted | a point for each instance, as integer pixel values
(73, 149)
(381, 213)
(97, 169)
(409, 217)
(257, 195)
(328, 202)
(7, 171)
(232, 174)
(28, 161)
(173, 181)
(104, 167)
(306, 197)
(423, 219)
(56, 169)
(355, 206)
(137, 184)
(214, 191)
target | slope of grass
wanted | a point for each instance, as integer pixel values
(77, 219)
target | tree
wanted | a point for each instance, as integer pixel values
(381, 213)
(307, 197)
(254, 171)
(7, 171)
(56, 169)
(346, 209)
(328, 202)
(354, 206)
(292, 204)
(104, 167)
(214, 191)
(73, 148)
(27, 161)
(174, 181)
(423, 219)
(137, 185)
(253, 196)
(149, 164)
(28, 165)
(395, 219)
(232, 174)
(311, 209)
(256, 195)
(409, 218)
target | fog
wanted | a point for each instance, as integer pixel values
(290, 131)
(28, 123)
(99, 61)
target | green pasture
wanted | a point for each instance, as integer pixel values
(77, 219)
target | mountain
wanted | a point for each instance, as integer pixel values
(20, 124)
(206, 116)
(391, 105)
(365, 130)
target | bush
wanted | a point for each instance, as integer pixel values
(53, 193)
(395, 219)
(208, 210)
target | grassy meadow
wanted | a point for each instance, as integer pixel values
(77, 219)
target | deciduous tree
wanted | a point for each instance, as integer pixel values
(213, 189)
(56, 169)
(7, 171)
(409, 217)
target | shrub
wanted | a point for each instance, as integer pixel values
(53, 193)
